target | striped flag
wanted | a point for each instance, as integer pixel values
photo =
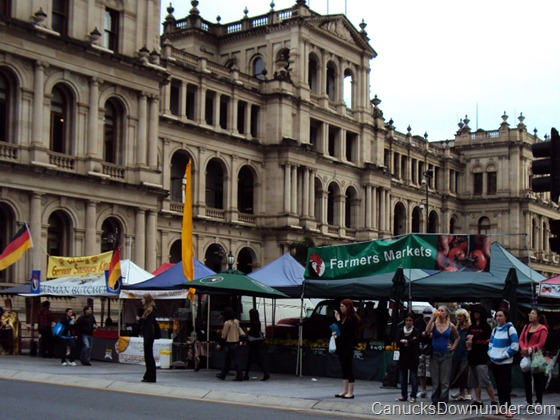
(187, 231)
(114, 276)
(15, 249)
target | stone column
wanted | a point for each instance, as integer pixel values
(140, 242)
(183, 100)
(151, 240)
(166, 94)
(367, 221)
(382, 209)
(374, 208)
(312, 174)
(142, 129)
(153, 128)
(93, 119)
(90, 229)
(294, 192)
(287, 185)
(305, 193)
(38, 100)
(36, 227)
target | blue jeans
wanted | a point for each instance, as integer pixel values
(87, 344)
(413, 382)
(440, 366)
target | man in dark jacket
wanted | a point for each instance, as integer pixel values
(85, 326)
(478, 337)
(45, 321)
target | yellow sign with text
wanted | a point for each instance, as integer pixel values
(78, 266)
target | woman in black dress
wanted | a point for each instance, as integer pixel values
(255, 340)
(148, 331)
(348, 322)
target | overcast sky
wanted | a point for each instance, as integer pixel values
(439, 60)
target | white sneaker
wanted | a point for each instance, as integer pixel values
(467, 397)
(456, 395)
(412, 400)
(72, 364)
(64, 364)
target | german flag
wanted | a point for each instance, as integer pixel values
(15, 249)
(114, 276)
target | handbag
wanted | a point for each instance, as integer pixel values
(525, 364)
(538, 364)
(332, 344)
(252, 339)
(58, 329)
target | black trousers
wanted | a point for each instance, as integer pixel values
(46, 342)
(502, 375)
(149, 360)
(232, 353)
(255, 355)
(539, 379)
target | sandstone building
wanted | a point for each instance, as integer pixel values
(101, 108)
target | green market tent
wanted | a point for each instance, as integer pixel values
(435, 285)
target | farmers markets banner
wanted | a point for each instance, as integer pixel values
(430, 252)
(78, 266)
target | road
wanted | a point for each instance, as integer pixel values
(31, 400)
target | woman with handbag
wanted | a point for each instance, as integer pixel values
(255, 340)
(408, 340)
(348, 323)
(531, 343)
(230, 340)
(148, 331)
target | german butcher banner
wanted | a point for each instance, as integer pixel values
(430, 252)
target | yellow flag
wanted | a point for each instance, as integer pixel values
(187, 230)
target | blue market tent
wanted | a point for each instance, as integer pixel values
(284, 274)
(173, 278)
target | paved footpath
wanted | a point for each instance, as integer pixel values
(284, 391)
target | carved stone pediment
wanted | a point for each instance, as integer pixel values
(337, 27)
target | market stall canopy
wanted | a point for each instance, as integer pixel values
(89, 285)
(371, 287)
(550, 288)
(172, 279)
(284, 274)
(233, 281)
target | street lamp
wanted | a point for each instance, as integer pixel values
(230, 260)
(426, 176)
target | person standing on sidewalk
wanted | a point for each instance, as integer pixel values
(408, 340)
(255, 341)
(532, 339)
(230, 340)
(148, 331)
(348, 323)
(45, 321)
(460, 370)
(442, 330)
(85, 326)
(478, 337)
(68, 338)
(502, 347)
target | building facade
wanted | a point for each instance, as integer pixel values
(101, 108)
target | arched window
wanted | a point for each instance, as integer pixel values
(176, 252)
(179, 162)
(332, 205)
(215, 185)
(348, 86)
(258, 68)
(313, 73)
(4, 108)
(399, 220)
(110, 234)
(351, 207)
(57, 235)
(245, 191)
(112, 132)
(331, 81)
(484, 226)
(60, 123)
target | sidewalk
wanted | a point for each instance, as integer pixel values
(283, 391)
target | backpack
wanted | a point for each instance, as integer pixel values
(391, 378)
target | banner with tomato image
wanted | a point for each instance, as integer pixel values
(430, 252)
